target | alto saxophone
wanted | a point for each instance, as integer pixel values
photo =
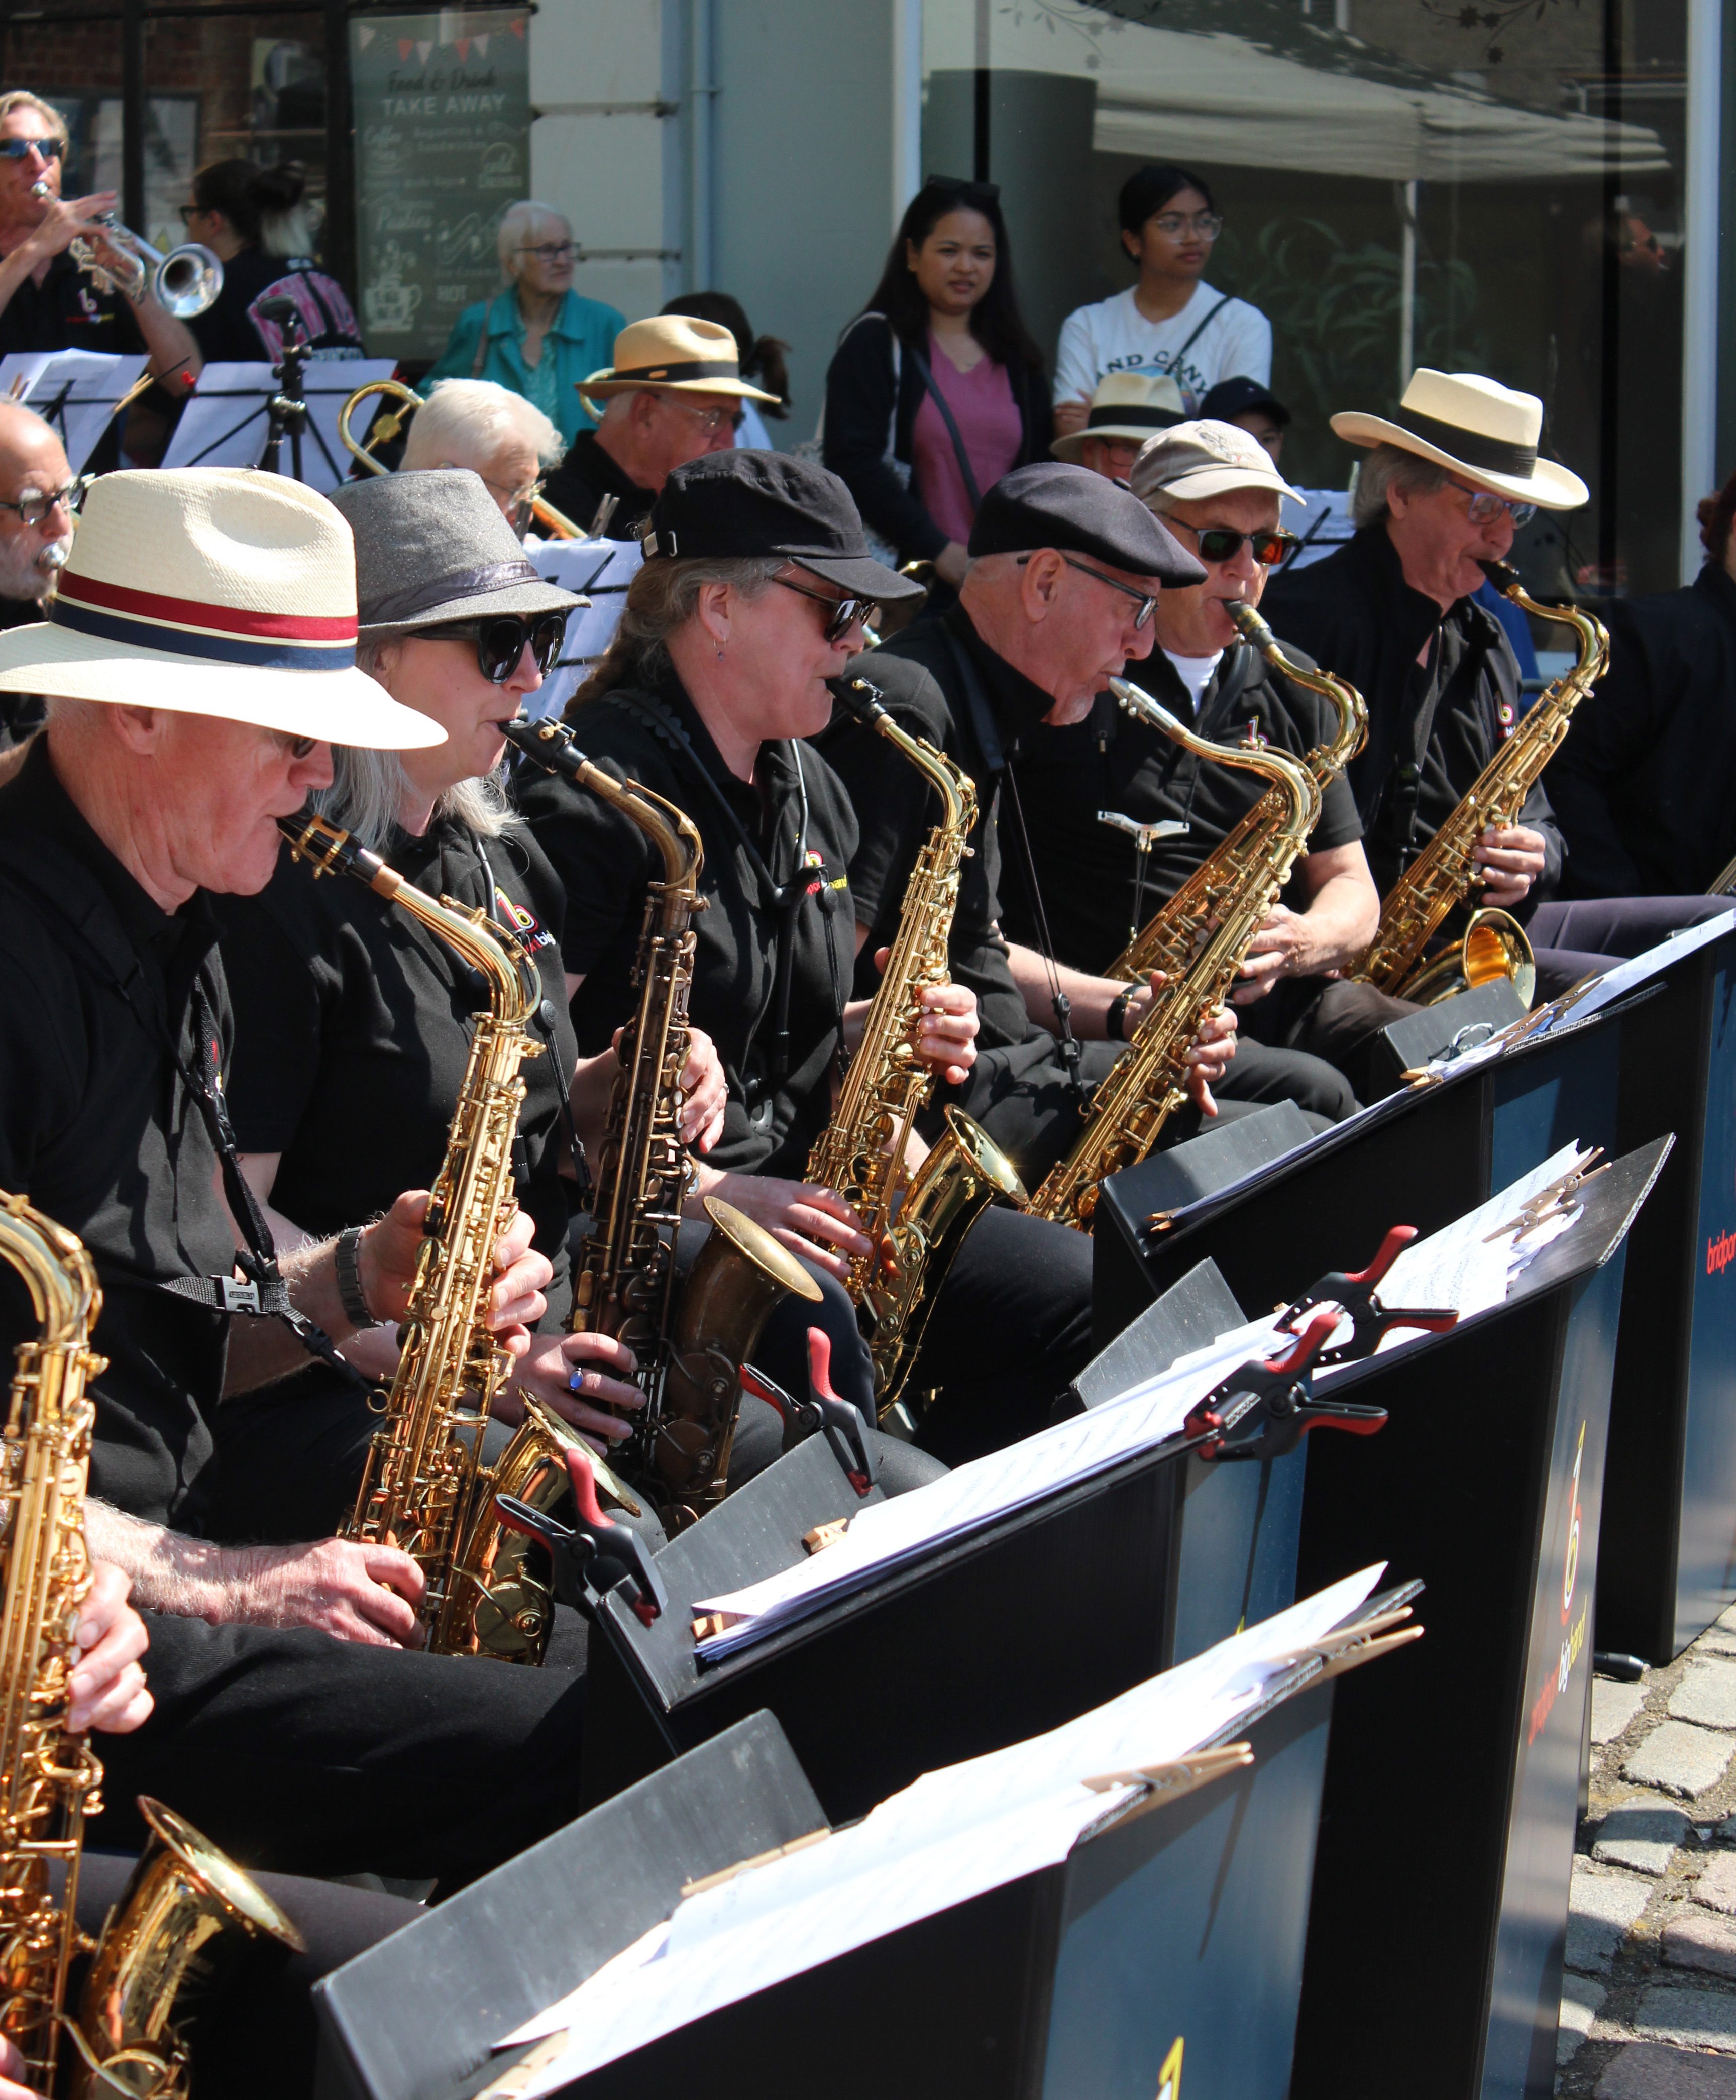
(183, 1895)
(1169, 941)
(1149, 1080)
(689, 1356)
(424, 1487)
(1493, 945)
(861, 1152)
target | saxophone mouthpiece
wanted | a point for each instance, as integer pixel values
(324, 848)
(1248, 623)
(1137, 702)
(1503, 574)
(866, 707)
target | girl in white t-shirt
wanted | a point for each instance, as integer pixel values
(1171, 321)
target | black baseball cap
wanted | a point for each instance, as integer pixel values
(743, 503)
(1049, 504)
(1235, 397)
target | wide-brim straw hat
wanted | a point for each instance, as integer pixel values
(431, 548)
(1131, 406)
(1485, 431)
(216, 591)
(675, 350)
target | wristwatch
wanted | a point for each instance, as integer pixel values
(346, 1261)
(1115, 1020)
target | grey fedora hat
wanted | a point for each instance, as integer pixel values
(433, 547)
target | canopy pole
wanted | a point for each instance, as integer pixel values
(1700, 261)
(1406, 194)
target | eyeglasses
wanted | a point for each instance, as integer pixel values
(552, 251)
(34, 504)
(845, 611)
(709, 419)
(297, 747)
(1485, 506)
(21, 149)
(521, 498)
(500, 642)
(1172, 225)
(1224, 543)
(973, 192)
(1148, 604)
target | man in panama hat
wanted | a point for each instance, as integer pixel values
(674, 392)
(200, 662)
(1127, 409)
(1448, 478)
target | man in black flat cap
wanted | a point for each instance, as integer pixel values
(1066, 568)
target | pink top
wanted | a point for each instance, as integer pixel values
(982, 403)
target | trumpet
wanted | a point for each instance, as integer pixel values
(390, 425)
(185, 281)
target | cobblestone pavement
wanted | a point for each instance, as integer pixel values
(1648, 2008)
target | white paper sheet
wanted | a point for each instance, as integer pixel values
(600, 570)
(950, 1836)
(225, 423)
(76, 390)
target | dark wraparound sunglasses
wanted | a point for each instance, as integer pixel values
(21, 149)
(499, 642)
(1222, 543)
(845, 611)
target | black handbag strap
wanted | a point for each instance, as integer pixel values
(1227, 299)
(927, 376)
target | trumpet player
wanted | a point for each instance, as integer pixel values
(47, 300)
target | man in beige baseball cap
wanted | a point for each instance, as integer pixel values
(1128, 408)
(674, 392)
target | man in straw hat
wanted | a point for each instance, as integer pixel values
(1127, 409)
(200, 660)
(1447, 480)
(674, 392)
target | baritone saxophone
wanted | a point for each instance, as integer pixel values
(690, 1343)
(185, 1904)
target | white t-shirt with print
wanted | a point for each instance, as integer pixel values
(1114, 336)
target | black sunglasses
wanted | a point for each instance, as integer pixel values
(500, 642)
(20, 149)
(962, 186)
(1222, 543)
(845, 611)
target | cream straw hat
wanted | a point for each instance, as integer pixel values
(676, 350)
(212, 591)
(1487, 431)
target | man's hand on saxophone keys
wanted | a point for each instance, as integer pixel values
(106, 1682)
(579, 1377)
(387, 1258)
(946, 1042)
(1209, 1055)
(1511, 859)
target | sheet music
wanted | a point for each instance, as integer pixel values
(224, 423)
(952, 1835)
(76, 390)
(600, 570)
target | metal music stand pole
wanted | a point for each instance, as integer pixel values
(286, 411)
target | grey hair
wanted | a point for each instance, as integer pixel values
(660, 600)
(476, 417)
(516, 222)
(368, 788)
(1388, 467)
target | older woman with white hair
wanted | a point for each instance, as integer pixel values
(538, 337)
(504, 439)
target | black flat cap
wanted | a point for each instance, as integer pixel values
(749, 503)
(1235, 397)
(1049, 504)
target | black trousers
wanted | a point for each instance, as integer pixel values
(255, 2036)
(301, 1754)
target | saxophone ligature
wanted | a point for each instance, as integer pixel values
(186, 1905)
(690, 1343)
(1149, 1081)
(916, 1230)
(1493, 945)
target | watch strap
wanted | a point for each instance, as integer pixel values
(346, 1262)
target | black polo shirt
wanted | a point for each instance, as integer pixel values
(1088, 870)
(66, 311)
(98, 1129)
(922, 687)
(606, 863)
(585, 477)
(353, 1024)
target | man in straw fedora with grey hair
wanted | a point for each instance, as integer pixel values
(1448, 480)
(199, 660)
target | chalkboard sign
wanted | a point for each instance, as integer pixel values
(442, 128)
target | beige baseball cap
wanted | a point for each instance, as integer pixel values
(1199, 459)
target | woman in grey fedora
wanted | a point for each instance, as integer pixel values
(352, 1021)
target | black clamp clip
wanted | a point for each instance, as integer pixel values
(1353, 1294)
(822, 1413)
(1263, 1411)
(592, 1555)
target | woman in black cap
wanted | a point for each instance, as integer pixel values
(352, 1021)
(756, 584)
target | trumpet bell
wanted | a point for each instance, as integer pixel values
(188, 280)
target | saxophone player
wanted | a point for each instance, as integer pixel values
(754, 592)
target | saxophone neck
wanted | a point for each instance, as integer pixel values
(550, 744)
(1277, 767)
(1352, 710)
(57, 1270)
(1591, 637)
(957, 790)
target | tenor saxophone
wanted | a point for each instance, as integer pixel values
(1168, 942)
(861, 1152)
(184, 1896)
(690, 1353)
(1493, 944)
(1149, 1080)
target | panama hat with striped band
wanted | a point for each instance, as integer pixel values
(1131, 406)
(212, 591)
(675, 350)
(1487, 431)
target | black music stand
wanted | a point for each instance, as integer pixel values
(1488, 1477)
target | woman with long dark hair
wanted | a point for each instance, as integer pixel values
(256, 221)
(937, 389)
(1172, 322)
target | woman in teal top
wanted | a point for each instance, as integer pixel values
(538, 337)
